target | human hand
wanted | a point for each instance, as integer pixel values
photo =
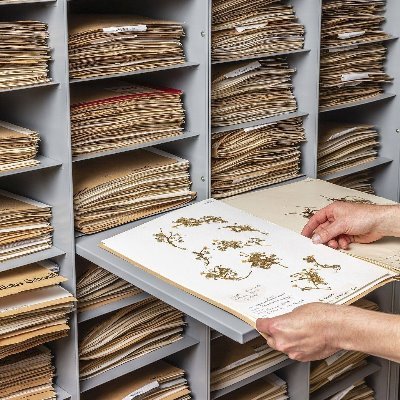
(305, 334)
(341, 223)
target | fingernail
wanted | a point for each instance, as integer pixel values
(316, 239)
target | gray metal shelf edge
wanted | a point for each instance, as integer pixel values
(131, 366)
(348, 171)
(214, 317)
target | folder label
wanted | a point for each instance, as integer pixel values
(128, 28)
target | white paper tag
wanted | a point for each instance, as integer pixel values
(333, 376)
(354, 76)
(127, 28)
(242, 70)
(334, 357)
(349, 35)
(340, 395)
(253, 128)
(241, 29)
(143, 390)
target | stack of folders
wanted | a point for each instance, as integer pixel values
(358, 391)
(243, 29)
(18, 147)
(130, 333)
(269, 388)
(361, 181)
(98, 287)
(343, 146)
(34, 309)
(352, 74)
(24, 226)
(126, 187)
(232, 362)
(153, 382)
(120, 115)
(340, 363)
(349, 22)
(249, 158)
(111, 44)
(24, 54)
(27, 376)
(243, 92)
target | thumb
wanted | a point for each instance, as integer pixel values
(324, 234)
(262, 325)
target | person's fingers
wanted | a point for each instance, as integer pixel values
(333, 244)
(344, 242)
(325, 234)
(271, 342)
(315, 221)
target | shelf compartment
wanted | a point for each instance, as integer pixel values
(115, 306)
(348, 171)
(381, 97)
(41, 85)
(185, 135)
(45, 163)
(212, 316)
(269, 120)
(258, 56)
(219, 393)
(61, 393)
(31, 258)
(182, 344)
(340, 384)
(359, 44)
(139, 72)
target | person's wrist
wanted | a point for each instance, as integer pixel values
(338, 333)
(389, 221)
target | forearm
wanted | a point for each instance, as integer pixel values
(367, 331)
(388, 220)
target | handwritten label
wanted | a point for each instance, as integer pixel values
(349, 35)
(241, 29)
(143, 390)
(128, 28)
(242, 70)
(354, 76)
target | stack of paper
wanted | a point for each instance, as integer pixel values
(269, 388)
(232, 362)
(244, 92)
(24, 226)
(352, 74)
(126, 187)
(120, 114)
(109, 44)
(33, 317)
(358, 391)
(153, 382)
(18, 147)
(340, 363)
(249, 158)
(362, 181)
(24, 54)
(348, 22)
(28, 375)
(343, 146)
(98, 287)
(244, 29)
(128, 334)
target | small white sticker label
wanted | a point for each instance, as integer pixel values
(143, 390)
(334, 357)
(354, 76)
(241, 29)
(242, 70)
(253, 128)
(349, 35)
(128, 28)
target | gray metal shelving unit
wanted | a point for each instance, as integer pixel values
(45, 108)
